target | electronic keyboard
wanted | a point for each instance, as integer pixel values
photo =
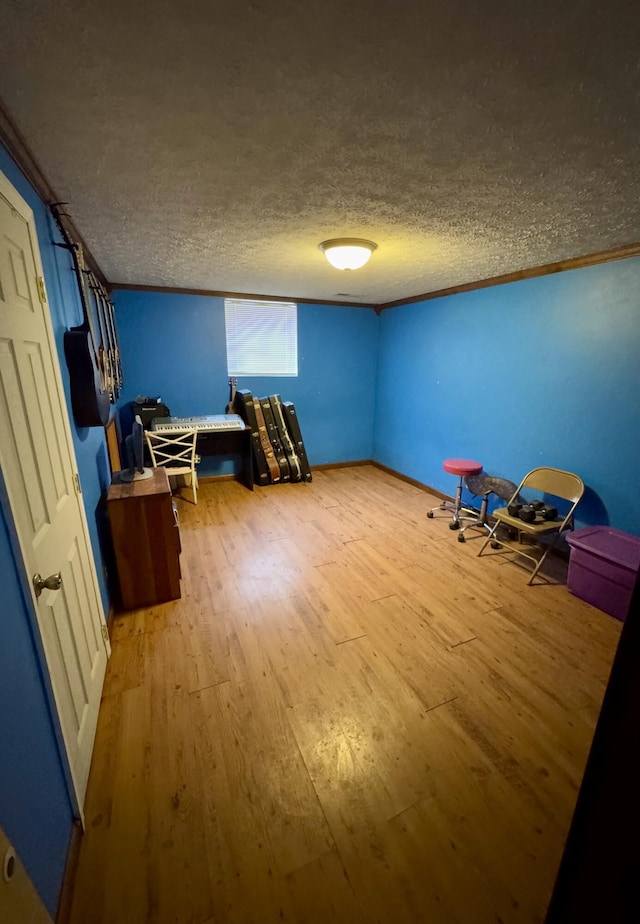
(202, 424)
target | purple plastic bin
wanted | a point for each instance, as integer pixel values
(603, 566)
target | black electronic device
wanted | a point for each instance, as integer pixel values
(148, 409)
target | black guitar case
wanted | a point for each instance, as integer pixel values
(243, 404)
(276, 442)
(285, 437)
(294, 430)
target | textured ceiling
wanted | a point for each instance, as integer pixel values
(214, 145)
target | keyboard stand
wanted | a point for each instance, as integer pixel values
(214, 439)
(227, 443)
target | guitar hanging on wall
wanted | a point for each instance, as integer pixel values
(110, 354)
(89, 393)
(233, 387)
(117, 364)
(104, 351)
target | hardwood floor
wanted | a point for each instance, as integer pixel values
(348, 717)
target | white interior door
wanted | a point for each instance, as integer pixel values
(38, 464)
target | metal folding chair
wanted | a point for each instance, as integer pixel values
(549, 482)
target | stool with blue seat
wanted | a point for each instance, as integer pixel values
(462, 468)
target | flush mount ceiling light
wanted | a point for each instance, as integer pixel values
(347, 253)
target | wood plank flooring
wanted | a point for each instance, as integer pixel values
(348, 717)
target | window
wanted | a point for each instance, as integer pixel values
(262, 337)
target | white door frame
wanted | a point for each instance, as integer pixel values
(22, 207)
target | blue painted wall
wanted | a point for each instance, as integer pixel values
(35, 810)
(174, 346)
(539, 372)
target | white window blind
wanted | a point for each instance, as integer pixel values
(262, 337)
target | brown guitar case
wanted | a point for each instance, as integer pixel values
(265, 442)
(276, 442)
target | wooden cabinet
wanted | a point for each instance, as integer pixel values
(146, 540)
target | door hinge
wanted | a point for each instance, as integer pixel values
(42, 292)
(76, 483)
(105, 632)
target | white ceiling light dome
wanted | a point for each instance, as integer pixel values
(347, 253)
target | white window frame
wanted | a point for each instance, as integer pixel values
(262, 337)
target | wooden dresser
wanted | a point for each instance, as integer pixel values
(146, 540)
